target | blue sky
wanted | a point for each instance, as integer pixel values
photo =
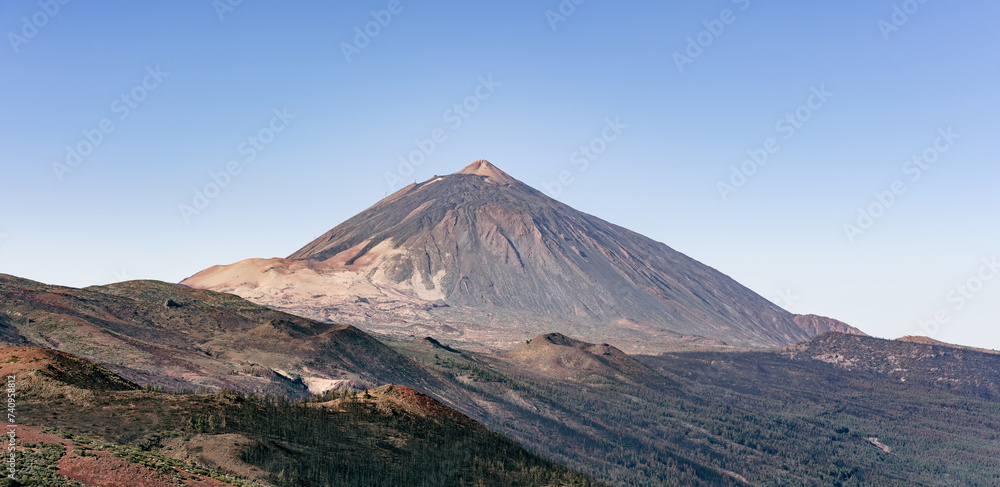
(311, 116)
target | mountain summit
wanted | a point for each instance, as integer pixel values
(483, 167)
(480, 257)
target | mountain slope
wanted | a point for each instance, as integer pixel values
(480, 257)
(164, 334)
(387, 436)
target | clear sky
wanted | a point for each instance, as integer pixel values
(116, 115)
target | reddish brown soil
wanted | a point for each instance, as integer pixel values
(416, 402)
(106, 470)
(17, 359)
(400, 398)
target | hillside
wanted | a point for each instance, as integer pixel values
(930, 341)
(386, 436)
(730, 418)
(961, 369)
(59, 458)
(42, 371)
(183, 339)
(47, 381)
(817, 325)
(805, 414)
(556, 355)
